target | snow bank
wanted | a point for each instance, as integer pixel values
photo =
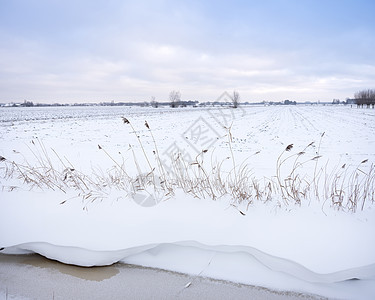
(301, 249)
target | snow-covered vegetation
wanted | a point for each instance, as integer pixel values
(281, 197)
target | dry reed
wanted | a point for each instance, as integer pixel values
(345, 188)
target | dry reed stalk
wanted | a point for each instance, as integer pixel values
(346, 190)
(230, 140)
(126, 121)
(121, 167)
(316, 158)
(161, 167)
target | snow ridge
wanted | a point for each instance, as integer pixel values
(241, 264)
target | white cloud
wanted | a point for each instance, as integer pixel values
(132, 50)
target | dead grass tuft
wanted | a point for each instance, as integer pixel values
(345, 188)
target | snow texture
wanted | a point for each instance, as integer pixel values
(307, 248)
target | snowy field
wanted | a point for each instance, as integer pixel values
(276, 196)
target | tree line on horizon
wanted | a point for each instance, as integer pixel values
(365, 97)
(361, 98)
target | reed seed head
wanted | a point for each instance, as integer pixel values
(289, 147)
(126, 121)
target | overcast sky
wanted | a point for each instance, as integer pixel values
(92, 50)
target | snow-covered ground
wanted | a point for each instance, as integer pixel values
(309, 246)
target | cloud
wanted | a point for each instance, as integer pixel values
(119, 50)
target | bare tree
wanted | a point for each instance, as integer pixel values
(235, 99)
(174, 98)
(153, 102)
(365, 97)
